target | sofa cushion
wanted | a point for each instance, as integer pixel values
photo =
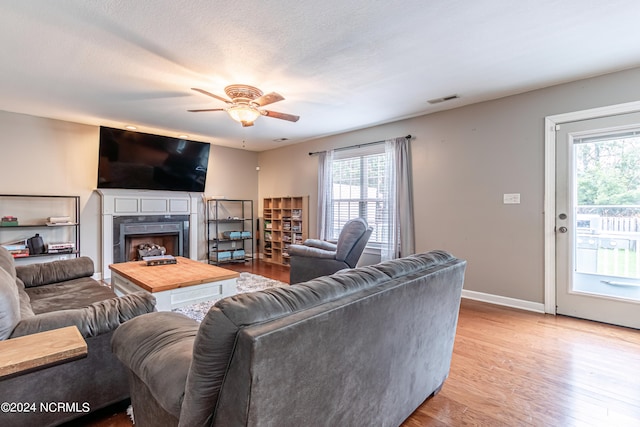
(77, 293)
(157, 348)
(9, 304)
(412, 263)
(98, 318)
(55, 271)
(25, 301)
(7, 263)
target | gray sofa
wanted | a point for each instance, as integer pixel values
(41, 297)
(363, 347)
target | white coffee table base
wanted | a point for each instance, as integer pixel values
(179, 297)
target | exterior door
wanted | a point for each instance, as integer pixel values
(598, 219)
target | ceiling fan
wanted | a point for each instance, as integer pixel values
(245, 102)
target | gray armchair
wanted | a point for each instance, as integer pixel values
(315, 258)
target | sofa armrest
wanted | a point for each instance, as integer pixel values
(55, 271)
(158, 349)
(321, 244)
(96, 319)
(311, 252)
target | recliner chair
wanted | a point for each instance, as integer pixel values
(315, 258)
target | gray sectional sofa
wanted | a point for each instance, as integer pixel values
(362, 347)
(40, 297)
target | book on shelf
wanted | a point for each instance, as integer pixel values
(9, 221)
(61, 245)
(20, 254)
(60, 251)
(59, 220)
(61, 248)
(17, 249)
(14, 247)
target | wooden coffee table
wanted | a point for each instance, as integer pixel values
(174, 285)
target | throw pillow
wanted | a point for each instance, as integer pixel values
(6, 262)
(9, 304)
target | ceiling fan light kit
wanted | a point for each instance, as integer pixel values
(243, 113)
(244, 104)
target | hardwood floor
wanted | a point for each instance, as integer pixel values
(517, 368)
(512, 367)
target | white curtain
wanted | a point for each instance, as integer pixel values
(325, 194)
(399, 189)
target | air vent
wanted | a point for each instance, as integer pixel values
(443, 99)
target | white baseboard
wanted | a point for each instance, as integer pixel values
(538, 307)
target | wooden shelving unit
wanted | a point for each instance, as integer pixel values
(285, 221)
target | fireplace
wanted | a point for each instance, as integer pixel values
(132, 217)
(168, 231)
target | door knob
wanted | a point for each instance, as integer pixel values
(563, 229)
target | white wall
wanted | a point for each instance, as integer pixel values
(44, 156)
(464, 160)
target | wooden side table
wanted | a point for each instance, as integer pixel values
(41, 350)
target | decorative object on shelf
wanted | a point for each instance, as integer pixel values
(36, 245)
(229, 230)
(284, 221)
(231, 235)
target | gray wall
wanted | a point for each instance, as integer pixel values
(45, 156)
(464, 160)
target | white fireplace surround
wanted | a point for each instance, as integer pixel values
(119, 202)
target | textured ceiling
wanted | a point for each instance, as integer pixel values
(341, 65)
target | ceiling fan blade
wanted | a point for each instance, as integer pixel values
(206, 109)
(282, 116)
(204, 92)
(268, 98)
(246, 124)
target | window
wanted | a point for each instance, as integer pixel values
(359, 185)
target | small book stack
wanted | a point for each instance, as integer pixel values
(8, 221)
(17, 250)
(61, 248)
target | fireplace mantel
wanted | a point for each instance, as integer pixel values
(119, 202)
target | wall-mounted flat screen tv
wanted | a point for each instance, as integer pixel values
(135, 160)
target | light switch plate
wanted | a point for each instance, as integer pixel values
(511, 198)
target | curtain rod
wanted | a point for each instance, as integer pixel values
(353, 146)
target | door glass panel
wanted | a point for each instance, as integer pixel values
(607, 215)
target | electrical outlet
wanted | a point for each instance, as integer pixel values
(511, 199)
(233, 245)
